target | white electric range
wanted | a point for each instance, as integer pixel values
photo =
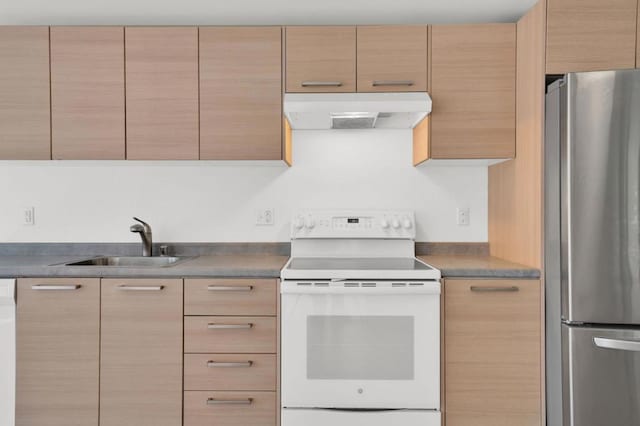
(360, 322)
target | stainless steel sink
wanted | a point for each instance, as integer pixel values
(130, 261)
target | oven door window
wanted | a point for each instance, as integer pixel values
(360, 347)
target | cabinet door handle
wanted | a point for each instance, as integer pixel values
(377, 83)
(621, 345)
(230, 288)
(220, 364)
(215, 401)
(495, 289)
(321, 84)
(140, 287)
(46, 287)
(213, 326)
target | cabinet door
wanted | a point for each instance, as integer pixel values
(321, 59)
(87, 93)
(25, 130)
(141, 352)
(162, 93)
(392, 58)
(590, 35)
(241, 93)
(473, 86)
(492, 352)
(58, 343)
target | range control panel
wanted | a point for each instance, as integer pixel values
(394, 224)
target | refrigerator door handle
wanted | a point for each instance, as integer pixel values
(617, 344)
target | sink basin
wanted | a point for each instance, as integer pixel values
(130, 261)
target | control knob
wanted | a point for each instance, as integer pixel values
(406, 223)
(309, 223)
(395, 223)
(384, 223)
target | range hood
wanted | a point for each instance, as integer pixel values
(323, 111)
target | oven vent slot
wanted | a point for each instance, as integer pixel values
(352, 284)
(304, 284)
(398, 284)
(369, 285)
(321, 284)
(416, 284)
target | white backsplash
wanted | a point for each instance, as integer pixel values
(89, 201)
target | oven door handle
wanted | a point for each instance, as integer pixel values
(426, 289)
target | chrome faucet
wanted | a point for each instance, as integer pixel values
(144, 230)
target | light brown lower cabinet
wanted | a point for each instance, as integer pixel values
(492, 337)
(230, 408)
(58, 343)
(141, 352)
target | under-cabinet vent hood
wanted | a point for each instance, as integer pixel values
(323, 111)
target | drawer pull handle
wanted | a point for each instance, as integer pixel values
(495, 289)
(321, 84)
(230, 288)
(219, 364)
(141, 287)
(45, 287)
(377, 83)
(214, 401)
(621, 345)
(213, 326)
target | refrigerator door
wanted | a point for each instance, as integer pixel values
(600, 198)
(601, 371)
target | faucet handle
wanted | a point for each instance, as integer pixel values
(147, 227)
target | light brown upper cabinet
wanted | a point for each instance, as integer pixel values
(25, 129)
(590, 35)
(240, 93)
(141, 352)
(473, 87)
(87, 93)
(58, 343)
(392, 58)
(162, 93)
(492, 352)
(320, 59)
(638, 39)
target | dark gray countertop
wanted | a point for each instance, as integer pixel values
(218, 265)
(453, 266)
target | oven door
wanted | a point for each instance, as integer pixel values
(352, 345)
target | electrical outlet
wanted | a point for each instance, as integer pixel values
(28, 216)
(463, 216)
(265, 217)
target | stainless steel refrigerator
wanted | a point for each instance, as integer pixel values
(592, 249)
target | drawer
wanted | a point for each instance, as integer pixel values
(230, 297)
(232, 372)
(229, 408)
(230, 335)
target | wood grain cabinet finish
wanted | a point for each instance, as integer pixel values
(58, 343)
(590, 35)
(241, 93)
(473, 89)
(87, 93)
(141, 352)
(230, 372)
(162, 93)
(25, 129)
(392, 58)
(230, 408)
(233, 296)
(320, 59)
(230, 334)
(492, 352)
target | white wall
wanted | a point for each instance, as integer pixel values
(209, 201)
(258, 12)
